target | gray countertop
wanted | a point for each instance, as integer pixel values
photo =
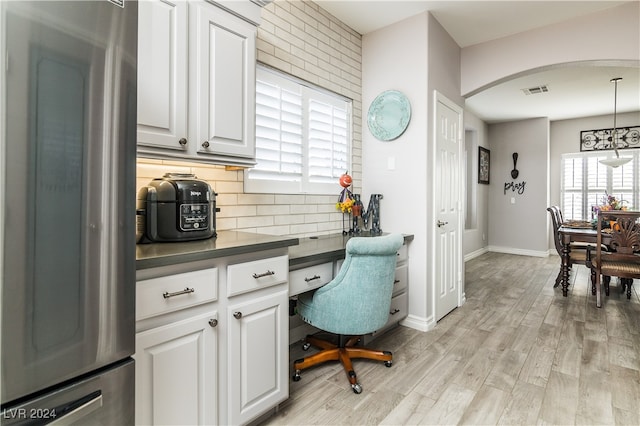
(323, 248)
(227, 243)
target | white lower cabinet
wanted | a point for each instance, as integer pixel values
(258, 354)
(212, 340)
(176, 366)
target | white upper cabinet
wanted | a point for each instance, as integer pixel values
(162, 74)
(196, 81)
(222, 82)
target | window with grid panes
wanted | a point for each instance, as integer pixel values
(584, 182)
(303, 136)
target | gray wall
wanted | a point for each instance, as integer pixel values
(475, 239)
(518, 221)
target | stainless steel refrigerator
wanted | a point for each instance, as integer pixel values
(68, 188)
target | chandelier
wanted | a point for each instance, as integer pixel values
(617, 160)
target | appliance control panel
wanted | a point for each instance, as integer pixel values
(194, 217)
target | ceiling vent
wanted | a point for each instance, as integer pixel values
(536, 90)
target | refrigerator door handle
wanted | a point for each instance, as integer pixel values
(79, 409)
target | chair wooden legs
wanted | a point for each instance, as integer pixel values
(343, 352)
(626, 283)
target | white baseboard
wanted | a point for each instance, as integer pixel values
(520, 252)
(418, 323)
(475, 254)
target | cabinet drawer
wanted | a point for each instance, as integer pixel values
(250, 276)
(310, 278)
(400, 280)
(397, 311)
(403, 253)
(170, 293)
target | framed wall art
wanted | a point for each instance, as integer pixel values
(483, 165)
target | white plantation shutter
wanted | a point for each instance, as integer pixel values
(584, 182)
(303, 137)
(328, 147)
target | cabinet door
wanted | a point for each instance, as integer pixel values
(222, 82)
(176, 369)
(162, 74)
(258, 356)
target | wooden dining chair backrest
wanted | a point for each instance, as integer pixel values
(624, 227)
(556, 220)
(622, 260)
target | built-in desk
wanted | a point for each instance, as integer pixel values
(316, 260)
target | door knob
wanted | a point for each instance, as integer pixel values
(441, 223)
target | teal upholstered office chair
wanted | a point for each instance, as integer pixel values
(356, 302)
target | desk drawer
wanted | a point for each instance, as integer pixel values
(250, 276)
(403, 253)
(157, 296)
(310, 278)
(400, 280)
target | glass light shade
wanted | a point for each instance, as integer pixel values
(615, 161)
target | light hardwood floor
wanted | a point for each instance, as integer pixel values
(516, 352)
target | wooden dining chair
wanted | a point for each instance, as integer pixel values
(623, 258)
(577, 254)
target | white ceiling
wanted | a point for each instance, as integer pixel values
(574, 91)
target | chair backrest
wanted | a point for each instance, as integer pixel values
(624, 227)
(358, 299)
(556, 219)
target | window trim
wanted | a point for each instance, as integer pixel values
(272, 186)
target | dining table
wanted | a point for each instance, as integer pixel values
(573, 232)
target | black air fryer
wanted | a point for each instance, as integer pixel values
(176, 207)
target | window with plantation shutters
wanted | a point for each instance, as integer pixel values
(585, 181)
(303, 136)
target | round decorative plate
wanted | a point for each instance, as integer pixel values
(389, 115)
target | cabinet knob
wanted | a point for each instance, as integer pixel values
(205, 144)
(182, 141)
(237, 315)
(213, 322)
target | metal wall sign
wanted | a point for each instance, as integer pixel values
(601, 140)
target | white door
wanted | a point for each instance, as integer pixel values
(448, 206)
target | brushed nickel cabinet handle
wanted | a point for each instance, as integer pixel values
(205, 144)
(182, 141)
(315, 277)
(395, 311)
(237, 315)
(187, 290)
(265, 274)
(213, 322)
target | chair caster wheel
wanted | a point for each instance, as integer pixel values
(306, 346)
(356, 388)
(388, 364)
(296, 376)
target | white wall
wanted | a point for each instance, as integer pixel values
(519, 227)
(612, 34)
(415, 56)
(396, 58)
